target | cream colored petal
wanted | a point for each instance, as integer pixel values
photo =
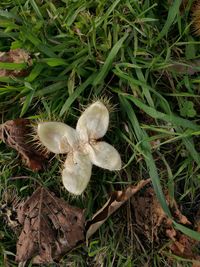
(57, 137)
(105, 156)
(77, 172)
(93, 123)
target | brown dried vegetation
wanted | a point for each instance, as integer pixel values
(51, 227)
(154, 224)
(16, 134)
(196, 17)
(14, 56)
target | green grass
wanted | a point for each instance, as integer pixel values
(124, 50)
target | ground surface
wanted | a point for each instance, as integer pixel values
(130, 52)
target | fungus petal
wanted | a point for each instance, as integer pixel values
(57, 137)
(105, 156)
(93, 123)
(77, 172)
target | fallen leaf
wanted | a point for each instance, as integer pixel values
(8, 204)
(177, 213)
(115, 201)
(148, 213)
(15, 56)
(18, 55)
(185, 67)
(16, 134)
(182, 246)
(153, 223)
(196, 264)
(186, 247)
(51, 227)
(150, 216)
(196, 17)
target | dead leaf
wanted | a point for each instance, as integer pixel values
(153, 223)
(51, 227)
(8, 204)
(15, 56)
(196, 264)
(177, 213)
(148, 213)
(16, 133)
(117, 199)
(18, 55)
(196, 18)
(182, 246)
(185, 67)
(186, 247)
(150, 216)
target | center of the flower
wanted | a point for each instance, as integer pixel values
(84, 146)
(81, 147)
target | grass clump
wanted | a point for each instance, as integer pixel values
(127, 51)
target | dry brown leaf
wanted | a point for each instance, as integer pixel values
(150, 216)
(184, 246)
(154, 224)
(14, 56)
(16, 134)
(196, 17)
(8, 205)
(117, 199)
(186, 67)
(196, 264)
(51, 227)
(177, 213)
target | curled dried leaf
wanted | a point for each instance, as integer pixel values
(184, 246)
(15, 56)
(150, 216)
(196, 17)
(116, 200)
(16, 134)
(184, 67)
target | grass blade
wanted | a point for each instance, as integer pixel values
(109, 60)
(142, 137)
(187, 231)
(27, 103)
(173, 12)
(12, 66)
(175, 120)
(76, 93)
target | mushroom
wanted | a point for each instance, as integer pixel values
(81, 146)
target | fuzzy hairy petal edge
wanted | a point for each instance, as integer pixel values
(93, 123)
(57, 137)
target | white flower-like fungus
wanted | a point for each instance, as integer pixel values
(81, 146)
